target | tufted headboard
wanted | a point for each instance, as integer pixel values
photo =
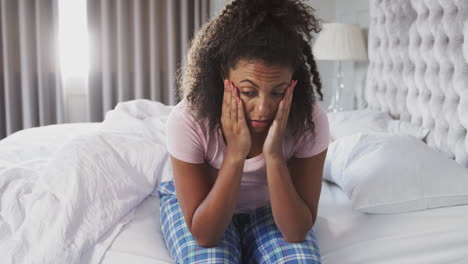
(418, 68)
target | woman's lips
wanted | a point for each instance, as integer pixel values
(259, 123)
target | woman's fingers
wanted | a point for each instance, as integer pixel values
(285, 104)
(289, 98)
(233, 105)
(226, 110)
(232, 116)
(240, 112)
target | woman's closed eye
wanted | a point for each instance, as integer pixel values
(248, 93)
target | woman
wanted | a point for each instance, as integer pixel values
(248, 141)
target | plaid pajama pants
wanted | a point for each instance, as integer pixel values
(249, 238)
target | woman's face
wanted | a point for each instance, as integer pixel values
(261, 88)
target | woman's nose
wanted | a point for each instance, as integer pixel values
(264, 107)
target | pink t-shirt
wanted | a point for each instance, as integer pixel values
(190, 139)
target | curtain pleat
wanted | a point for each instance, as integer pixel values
(10, 63)
(27, 46)
(184, 28)
(154, 50)
(196, 13)
(124, 61)
(30, 90)
(137, 47)
(139, 40)
(172, 41)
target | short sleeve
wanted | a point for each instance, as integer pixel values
(184, 136)
(310, 144)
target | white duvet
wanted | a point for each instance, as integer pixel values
(64, 199)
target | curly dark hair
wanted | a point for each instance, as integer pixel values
(272, 31)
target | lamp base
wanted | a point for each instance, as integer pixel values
(335, 105)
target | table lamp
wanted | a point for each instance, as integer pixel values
(339, 42)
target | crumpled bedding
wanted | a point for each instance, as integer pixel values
(64, 199)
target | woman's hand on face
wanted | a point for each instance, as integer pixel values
(273, 146)
(233, 122)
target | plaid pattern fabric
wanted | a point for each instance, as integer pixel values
(262, 242)
(249, 238)
(181, 243)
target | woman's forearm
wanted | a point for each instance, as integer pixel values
(214, 214)
(290, 212)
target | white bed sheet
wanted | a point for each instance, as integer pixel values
(140, 241)
(431, 236)
(345, 236)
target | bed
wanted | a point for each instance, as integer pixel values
(65, 194)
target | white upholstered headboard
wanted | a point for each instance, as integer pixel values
(418, 68)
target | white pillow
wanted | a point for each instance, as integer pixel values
(399, 127)
(347, 123)
(383, 173)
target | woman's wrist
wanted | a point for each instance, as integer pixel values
(235, 156)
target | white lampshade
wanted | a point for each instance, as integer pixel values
(339, 41)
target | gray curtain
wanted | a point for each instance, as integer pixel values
(136, 48)
(30, 91)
